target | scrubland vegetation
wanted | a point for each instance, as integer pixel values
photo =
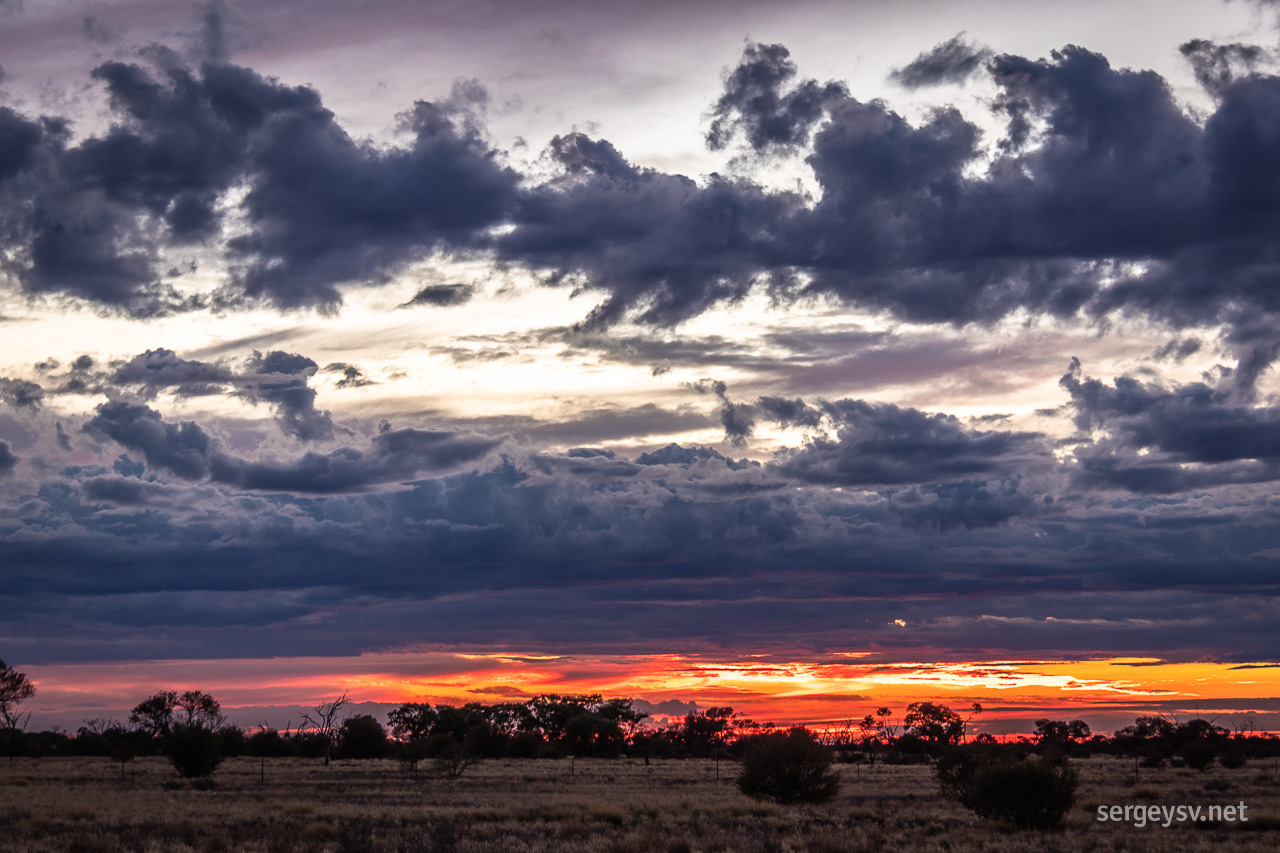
(579, 805)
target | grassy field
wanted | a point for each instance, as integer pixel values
(84, 806)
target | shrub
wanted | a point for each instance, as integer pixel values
(1030, 793)
(790, 767)
(454, 760)
(1153, 759)
(410, 754)
(195, 750)
(355, 835)
(1233, 759)
(1199, 754)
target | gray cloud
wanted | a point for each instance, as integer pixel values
(883, 444)
(755, 107)
(953, 61)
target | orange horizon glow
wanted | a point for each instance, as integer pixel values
(830, 689)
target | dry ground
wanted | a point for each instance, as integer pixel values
(82, 805)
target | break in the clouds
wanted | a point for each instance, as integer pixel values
(942, 376)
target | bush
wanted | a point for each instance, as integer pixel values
(454, 760)
(195, 750)
(1199, 754)
(995, 784)
(410, 754)
(790, 767)
(1233, 759)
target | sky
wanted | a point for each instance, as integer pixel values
(798, 359)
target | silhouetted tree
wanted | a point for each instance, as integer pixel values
(196, 708)
(413, 721)
(934, 723)
(704, 732)
(154, 715)
(15, 688)
(324, 723)
(362, 737)
(1060, 733)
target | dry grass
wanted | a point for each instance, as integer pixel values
(82, 804)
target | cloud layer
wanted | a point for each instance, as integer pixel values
(232, 503)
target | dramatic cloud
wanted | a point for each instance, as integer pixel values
(93, 219)
(183, 449)
(661, 244)
(755, 107)
(163, 370)
(1103, 195)
(393, 456)
(883, 444)
(862, 436)
(187, 451)
(1216, 66)
(1160, 439)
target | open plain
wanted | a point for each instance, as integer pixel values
(83, 805)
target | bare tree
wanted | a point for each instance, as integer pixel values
(15, 688)
(326, 723)
(975, 710)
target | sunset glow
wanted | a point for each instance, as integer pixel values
(822, 692)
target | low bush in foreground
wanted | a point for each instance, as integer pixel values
(790, 767)
(998, 784)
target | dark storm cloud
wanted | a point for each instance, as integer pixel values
(883, 444)
(7, 460)
(182, 449)
(280, 378)
(755, 107)
(1178, 350)
(1103, 195)
(126, 491)
(91, 219)
(506, 557)
(953, 61)
(1217, 65)
(64, 440)
(663, 245)
(327, 210)
(351, 375)
(189, 452)
(1169, 439)
(393, 456)
(164, 370)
